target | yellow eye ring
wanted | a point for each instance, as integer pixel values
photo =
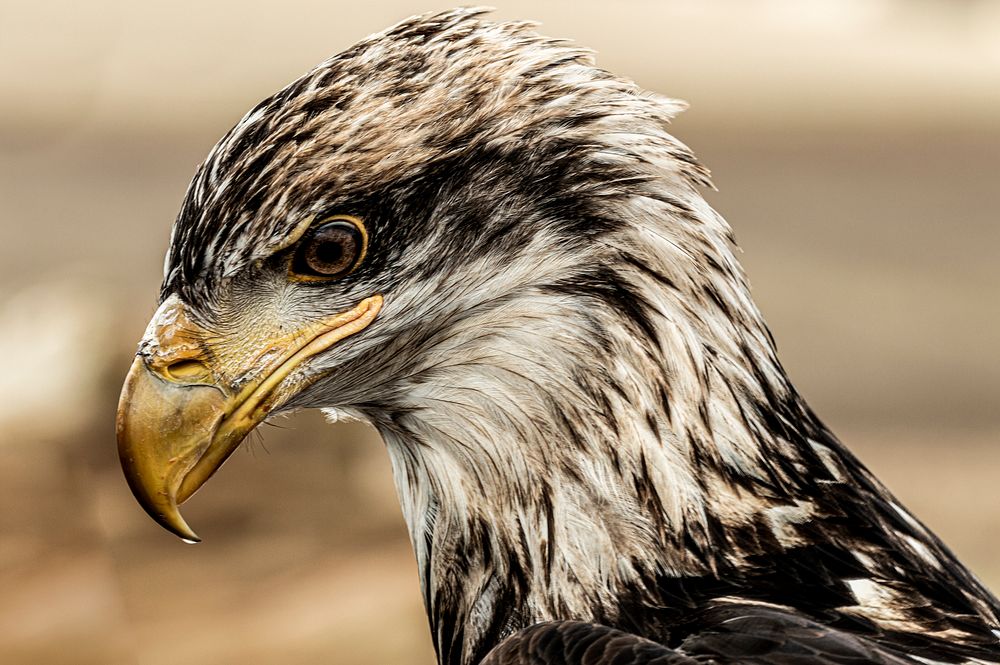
(330, 249)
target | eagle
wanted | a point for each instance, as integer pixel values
(474, 239)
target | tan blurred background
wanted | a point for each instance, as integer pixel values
(856, 148)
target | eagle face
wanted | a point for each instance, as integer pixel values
(435, 193)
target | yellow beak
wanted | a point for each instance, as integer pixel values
(180, 416)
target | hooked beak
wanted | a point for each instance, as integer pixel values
(180, 416)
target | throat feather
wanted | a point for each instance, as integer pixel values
(547, 464)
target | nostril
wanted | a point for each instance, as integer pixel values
(187, 370)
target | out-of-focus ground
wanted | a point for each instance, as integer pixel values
(856, 147)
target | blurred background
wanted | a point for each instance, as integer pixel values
(856, 148)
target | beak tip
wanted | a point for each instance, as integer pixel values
(172, 521)
(187, 535)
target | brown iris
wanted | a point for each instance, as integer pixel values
(330, 249)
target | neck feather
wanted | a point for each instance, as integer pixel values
(591, 430)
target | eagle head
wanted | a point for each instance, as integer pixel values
(449, 206)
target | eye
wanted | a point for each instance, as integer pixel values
(330, 249)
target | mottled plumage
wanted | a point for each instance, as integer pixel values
(597, 452)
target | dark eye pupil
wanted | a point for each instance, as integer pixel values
(329, 253)
(330, 250)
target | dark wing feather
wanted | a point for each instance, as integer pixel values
(745, 634)
(580, 643)
(766, 635)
